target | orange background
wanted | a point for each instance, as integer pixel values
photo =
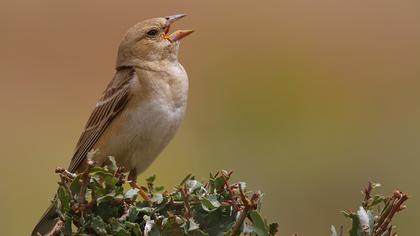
(305, 100)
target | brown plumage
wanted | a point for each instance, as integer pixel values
(113, 100)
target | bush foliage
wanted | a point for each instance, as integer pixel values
(95, 203)
(101, 202)
(374, 216)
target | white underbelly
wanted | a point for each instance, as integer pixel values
(144, 131)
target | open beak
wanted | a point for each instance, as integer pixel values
(179, 34)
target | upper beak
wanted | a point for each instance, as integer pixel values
(179, 34)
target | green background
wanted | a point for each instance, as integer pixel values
(305, 100)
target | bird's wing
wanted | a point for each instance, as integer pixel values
(113, 100)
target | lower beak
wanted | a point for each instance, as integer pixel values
(179, 34)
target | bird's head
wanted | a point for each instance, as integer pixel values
(150, 40)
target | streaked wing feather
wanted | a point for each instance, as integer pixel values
(113, 100)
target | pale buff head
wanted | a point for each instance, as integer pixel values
(149, 41)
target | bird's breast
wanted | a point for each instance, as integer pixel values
(149, 121)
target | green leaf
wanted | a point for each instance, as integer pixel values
(151, 179)
(377, 200)
(63, 200)
(189, 176)
(109, 197)
(133, 212)
(67, 230)
(117, 228)
(157, 198)
(98, 225)
(356, 228)
(75, 185)
(333, 231)
(216, 222)
(216, 184)
(258, 225)
(198, 232)
(112, 165)
(192, 225)
(131, 194)
(210, 203)
(133, 228)
(107, 210)
(159, 189)
(171, 227)
(100, 174)
(193, 185)
(273, 228)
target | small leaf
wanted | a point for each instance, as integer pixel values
(333, 231)
(133, 228)
(107, 198)
(112, 166)
(101, 174)
(198, 232)
(273, 228)
(366, 220)
(210, 203)
(243, 186)
(217, 184)
(131, 194)
(117, 228)
(63, 200)
(159, 189)
(108, 210)
(151, 179)
(133, 212)
(377, 200)
(258, 225)
(75, 185)
(185, 179)
(193, 225)
(355, 229)
(193, 185)
(98, 225)
(157, 198)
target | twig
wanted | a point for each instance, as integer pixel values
(63, 183)
(184, 195)
(248, 206)
(119, 173)
(142, 193)
(65, 173)
(236, 230)
(367, 192)
(341, 231)
(396, 205)
(126, 212)
(231, 194)
(85, 181)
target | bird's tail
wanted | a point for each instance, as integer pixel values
(47, 222)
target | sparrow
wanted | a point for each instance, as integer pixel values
(141, 108)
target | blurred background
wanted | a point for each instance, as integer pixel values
(305, 100)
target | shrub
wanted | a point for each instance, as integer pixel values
(95, 202)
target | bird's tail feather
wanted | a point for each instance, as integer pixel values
(47, 222)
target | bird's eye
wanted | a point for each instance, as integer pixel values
(152, 32)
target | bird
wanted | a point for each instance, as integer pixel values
(141, 108)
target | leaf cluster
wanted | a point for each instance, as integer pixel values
(99, 202)
(375, 215)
